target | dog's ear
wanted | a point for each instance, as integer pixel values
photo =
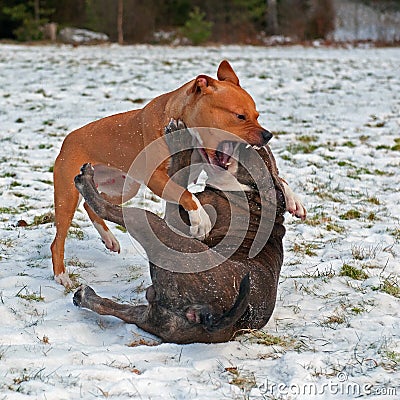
(202, 84)
(226, 73)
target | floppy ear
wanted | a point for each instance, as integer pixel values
(202, 84)
(226, 73)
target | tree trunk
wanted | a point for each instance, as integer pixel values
(36, 6)
(120, 18)
(272, 17)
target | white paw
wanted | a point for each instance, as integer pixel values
(293, 203)
(111, 243)
(200, 223)
(108, 238)
(63, 279)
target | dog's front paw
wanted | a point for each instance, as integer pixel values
(112, 244)
(64, 279)
(200, 223)
(293, 203)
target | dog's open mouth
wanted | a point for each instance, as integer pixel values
(222, 156)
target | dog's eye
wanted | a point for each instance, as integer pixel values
(241, 116)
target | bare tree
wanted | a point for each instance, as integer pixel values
(36, 7)
(272, 17)
(120, 21)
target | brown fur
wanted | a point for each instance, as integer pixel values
(180, 304)
(112, 144)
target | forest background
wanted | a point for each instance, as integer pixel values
(192, 21)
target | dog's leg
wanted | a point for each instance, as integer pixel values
(65, 202)
(293, 203)
(199, 220)
(86, 297)
(106, 235)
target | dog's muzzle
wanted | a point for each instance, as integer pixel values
(266, 135)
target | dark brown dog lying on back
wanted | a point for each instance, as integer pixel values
(211, 305)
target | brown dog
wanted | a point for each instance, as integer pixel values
(239, 292)
(112, 144)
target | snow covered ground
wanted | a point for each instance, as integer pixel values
(335, 332)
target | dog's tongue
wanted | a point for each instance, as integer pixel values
(224, 154)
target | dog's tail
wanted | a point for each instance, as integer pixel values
(230, 317)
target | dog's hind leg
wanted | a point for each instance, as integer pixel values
(86, 297)
(66, 199)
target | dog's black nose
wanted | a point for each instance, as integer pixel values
(267, 135)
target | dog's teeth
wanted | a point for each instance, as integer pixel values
(256, 147)
(228, 164)
(247, 146)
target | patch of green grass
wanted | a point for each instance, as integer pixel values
(391, 286)
(392, 355)
(137, 100)
(307, 138)
(372, 217)
(21, 195)
(305, 248)
(353, 272)
(276, 134)
(286, 157)
(396, 147)
(333, 227)
(334, 319)
(75, 262)
(266, 339)
(383, 173)
(45, 146)
(355, 173)
(244, 380)
(317, 219)
(30, 296)
(6, 242)
(45, 218)
(357, 310)
(15, 184)
(351, 214)
(304, 148)
(46, 181)
(349, 144)
(345, 164)
(8, 210)
(76, 233)
(8, 175)
(395, 232)
(373, 200)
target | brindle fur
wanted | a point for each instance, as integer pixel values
(205, 306)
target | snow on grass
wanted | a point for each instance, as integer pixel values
(335, 330)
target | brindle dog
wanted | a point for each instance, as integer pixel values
(213, 304)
